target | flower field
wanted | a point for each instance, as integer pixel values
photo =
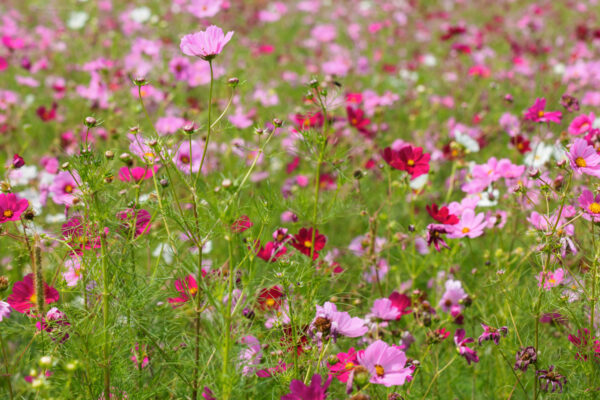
(299, 200)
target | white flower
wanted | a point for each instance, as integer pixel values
(140, 14)
(466, 141)
(77, 19)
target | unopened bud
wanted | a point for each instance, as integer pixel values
(109, 155)
(66, 166)
(259, 131)
(333, 359)
(233, 82)
(534, 174)
(126, 158)
(164, 183)
(313, 83)
(140, 81)
(90, 122)
(3, 283)
(189, 128)
(277, 122)
(226, 183)
(29, 214)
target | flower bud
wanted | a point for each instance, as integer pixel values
(29, 214)
(164, 183)
(90, 122)
(333, 359)
(126, 158)
(140, 81)
(259, 131)
(233, 82)
(313, 83)
(66, 166)
(190, 128)
(3, 283)
(46, 362)
(17, 161)
(361, 376)
(358, 174)
(109, 155)
(277, 122)
(534, 173)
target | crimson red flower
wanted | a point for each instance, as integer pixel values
(408, 158)
(23, 297)
(521, 143)
(442, 215)
(47, 114)
(309, 120)
(241, 224)
(271, 298)
(303, 242)
(356, 118)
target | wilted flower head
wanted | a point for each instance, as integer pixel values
(491, 333)
(551, 378)
(525, 356)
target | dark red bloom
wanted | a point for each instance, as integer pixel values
(271, 298)
(521, 143)
(408, 158)
(442, 215)
(303, 242)
(241, 224)
(47, 114)
(23, 297)
(18, 161)
(356, 118)
(434, 235)
(452, 31)
(401, 302)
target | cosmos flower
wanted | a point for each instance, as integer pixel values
(11, 207)
(469, 225)
(525, 356)
(490, 333)
(536, 113)
(434, 235)
(64, 188)
(73, 271)
(186, 287)
(384, 309)
(551, 378)
(205, 44)
(345, 365)
(401, 302)
(55, 323)
(590, 205)
(551, 279)
(23, 298)
(386, 364)
(299, 391)
(408, 158)
(331, 323)
(441, 215)
(4, 310)
(140, 217)
(461, 346)
(137, 174)
(581, 124)
(452, 297)
(583, 158)
(303, 242)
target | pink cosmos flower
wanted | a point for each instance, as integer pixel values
(583, 158)
(11, 207)
(401, 302)
(139, 356)
(250, 357)
(136, 174)
(551, 279)
(470, 225)
(55, 323)
(581, 124)
(186, 287)
(536, 113)
(65, 187)
(4, 310)
(591, 205)
(204, 8)
(384, 309)
(451, 299)
(461, 346)
(385, 363)
(73, 272)
(23, 297)
(183, 159)
(205, 44)
(329, 322)
(491, 333)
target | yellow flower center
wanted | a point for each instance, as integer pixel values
(540, 113)
(193, 291)
(410, 162)
(270, 302)
(552, 281)
(349, 365)
(465, 230)
(379, 370)
(307, 243)
(8, 213)
(33, 299)
(354, 121)
(68, 189)
(580, 162)
(185, 159)
(594, 208)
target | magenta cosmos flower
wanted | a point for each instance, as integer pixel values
(591, 205)
(536, 113)
(11, 207)
(461, 346)
(299, 391)
(64, 187)
(141, 218)
(583, 158)
(205, 44)
(331, 323)
(23, 297)
(581, 124)
(385, 363)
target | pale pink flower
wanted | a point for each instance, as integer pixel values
(205, 44)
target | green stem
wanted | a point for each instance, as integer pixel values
(437, 374)
(208, 125)
(8, 376)
(105, 314)
(227, 347)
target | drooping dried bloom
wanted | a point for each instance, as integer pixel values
(491, 333)
(525, 356)
(461, 346)
(552, 378)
